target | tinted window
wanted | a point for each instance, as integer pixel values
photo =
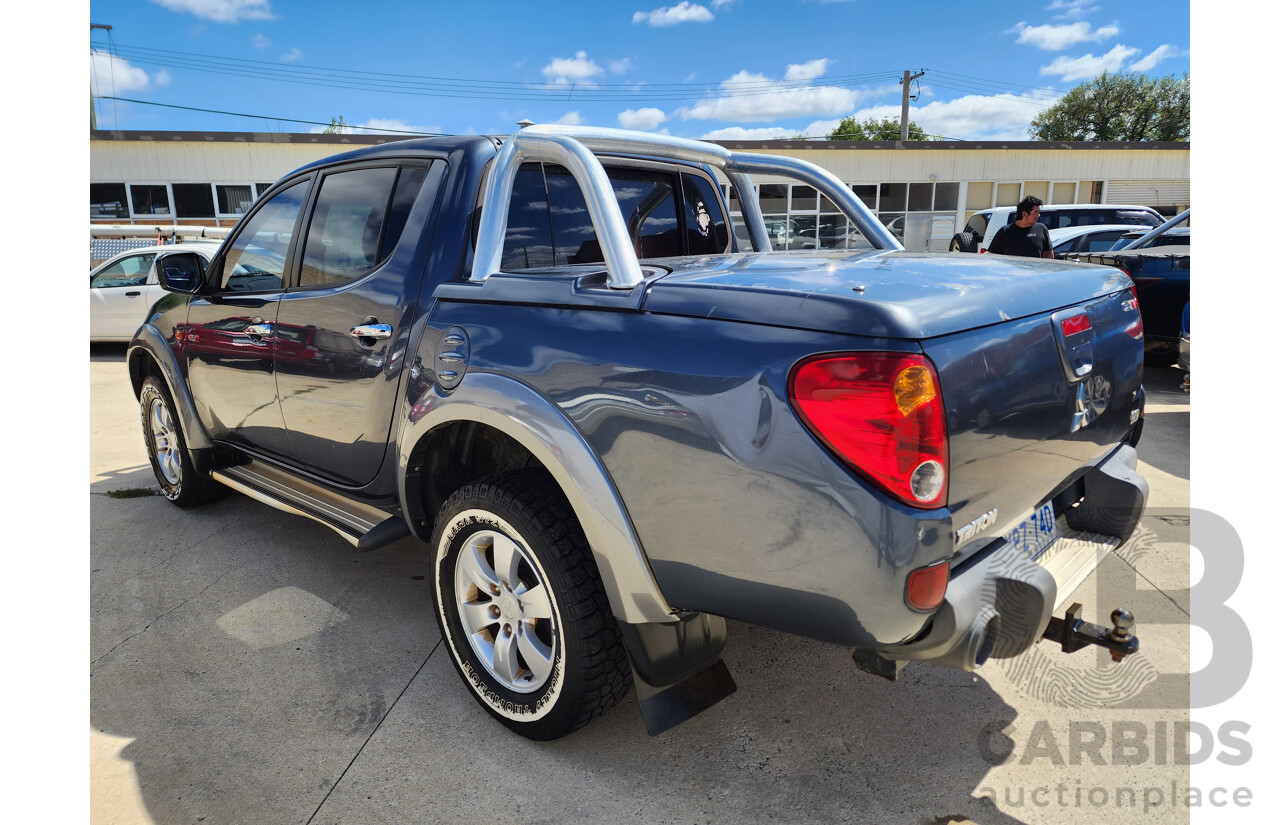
(193, 200)
(150, 199)
(255, 262)
(528, 242)
(977, 224)
(106, 200)
(1101, 241)
(559, 231)
(407, 187)
(130, 271)
(346, 226)
(1138, 218)
(707, 230)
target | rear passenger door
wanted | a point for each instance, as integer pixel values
(343, 323)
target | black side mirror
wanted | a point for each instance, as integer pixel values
(181, 272)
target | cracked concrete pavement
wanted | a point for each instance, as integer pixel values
(247, 666)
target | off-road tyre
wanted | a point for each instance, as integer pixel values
(546, 665)
(963, 242)
(179, 480)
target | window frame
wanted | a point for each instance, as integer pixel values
(213, 270)
(128, 207)
(296, 253)
(218, 214)
(168, 193)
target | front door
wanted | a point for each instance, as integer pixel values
(119, 296)
(230, 335)
(343, 326)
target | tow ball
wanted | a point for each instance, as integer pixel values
(1073, 633)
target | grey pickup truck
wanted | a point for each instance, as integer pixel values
(546, 358)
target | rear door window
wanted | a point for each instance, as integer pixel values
(977, 224)
(346, 226)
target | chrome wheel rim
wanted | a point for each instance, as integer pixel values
(505, 610)
(164, 441)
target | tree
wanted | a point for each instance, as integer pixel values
(886, 128)
(337, 126)
(1126, 107)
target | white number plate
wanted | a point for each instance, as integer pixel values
(1034, 535)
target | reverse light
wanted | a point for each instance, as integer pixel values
(927, 586)
(882, 414)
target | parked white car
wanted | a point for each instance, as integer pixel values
(981, 228)
(1098, 238)
(124, 287)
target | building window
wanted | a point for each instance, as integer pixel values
(234, 199)
(193, 200)
(866, 193)
(107, 200)
(150, 199)
(262, 187)
(946, 197)
(773, 198)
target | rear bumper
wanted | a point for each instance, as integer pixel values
(999, 601)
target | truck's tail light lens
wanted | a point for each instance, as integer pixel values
(927, 586)
(882, 414)
(1076, 325)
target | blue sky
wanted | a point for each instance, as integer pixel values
(715, 69)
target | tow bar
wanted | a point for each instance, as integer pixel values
(1073, 633)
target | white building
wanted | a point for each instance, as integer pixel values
(923, 190)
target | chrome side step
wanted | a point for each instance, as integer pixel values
(365, 527)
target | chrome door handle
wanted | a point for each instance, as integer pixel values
(378, 331)
(258, 330)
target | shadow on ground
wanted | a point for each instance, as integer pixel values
(266, 672)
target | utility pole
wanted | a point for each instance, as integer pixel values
(93, 114)
(907, 77)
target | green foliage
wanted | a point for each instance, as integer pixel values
(886, 128)
(337, 126)
(1126, 107)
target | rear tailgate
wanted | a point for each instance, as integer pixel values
(1020, 428)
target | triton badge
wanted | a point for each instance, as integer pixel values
(976, 526)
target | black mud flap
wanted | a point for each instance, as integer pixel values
(677, 668)
(1114, 497)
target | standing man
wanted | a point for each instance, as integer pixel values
(1025, 236)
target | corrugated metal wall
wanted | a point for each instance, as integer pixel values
(138, 161)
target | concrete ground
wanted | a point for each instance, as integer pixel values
(247, 666)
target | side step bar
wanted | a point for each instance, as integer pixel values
(365, 527)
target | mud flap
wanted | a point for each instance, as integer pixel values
(677, 668)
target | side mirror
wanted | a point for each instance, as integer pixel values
(181, 272)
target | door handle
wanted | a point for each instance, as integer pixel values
(258, 330)
(132, 294)
(377, 331)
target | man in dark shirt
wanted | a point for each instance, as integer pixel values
(1025, 236)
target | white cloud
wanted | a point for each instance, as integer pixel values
(294, 55)
(162, 78)
(972, 117)
(1149, 62)
(382, 124)
(739, 133)
(261, 41)
(1088, 66)
(576, 69)
(686, 12)
(754, 97)
(806, 71)
(570, 119)
(221, 11)
(1072, 9)
(719, 4)
(642, 119)
(110, 75)
(1056, 38)
(620, 66)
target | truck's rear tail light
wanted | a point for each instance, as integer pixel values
(882, 414)
(1076, 325)
(927, 586)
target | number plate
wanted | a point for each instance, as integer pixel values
(1034, 535)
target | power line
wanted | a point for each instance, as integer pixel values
(272, 117)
